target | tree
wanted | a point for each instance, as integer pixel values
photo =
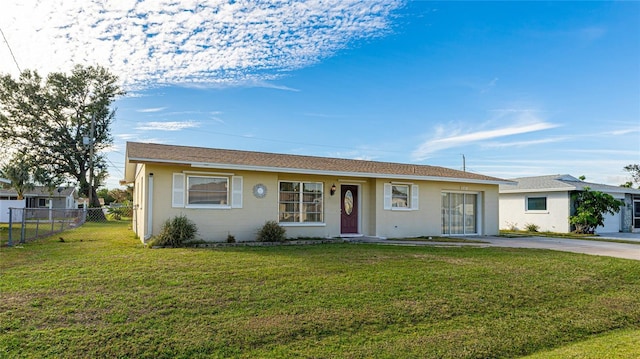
(104, 194)
(18, 171)
(122, 195)
(51, 117)
(634, 170)
(590, 208)
(627, 184)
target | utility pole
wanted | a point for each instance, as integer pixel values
(464, 164)
(91, 131)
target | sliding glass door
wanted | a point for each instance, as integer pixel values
(459, 213)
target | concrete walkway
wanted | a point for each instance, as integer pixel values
(618, 235)
(611, 249)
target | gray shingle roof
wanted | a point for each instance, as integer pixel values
(39, 191)
(273, 162)
(559, 183)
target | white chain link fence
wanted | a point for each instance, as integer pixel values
(27, 224)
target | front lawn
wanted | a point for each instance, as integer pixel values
(97, 292)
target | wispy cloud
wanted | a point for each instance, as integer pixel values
(624, 131)
(167, 126)
(321, 115)
(617, 153)
(148, 110)
(215, 116)
(524, 143)
(588, 166)
(450, 138)
(353, 155)
(490, 85)
(156, 42)
(126, 136)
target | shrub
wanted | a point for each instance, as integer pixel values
(591, 206)
(271, 232)
(231, 238)
(531, 227)
(512, 226)
(175, 232)
(118, 210)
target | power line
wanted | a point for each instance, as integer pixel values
(115, 167)
(10, 51)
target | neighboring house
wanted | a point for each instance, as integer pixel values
(228, 192)
(546, 202)
(84, 202)
(40, 197)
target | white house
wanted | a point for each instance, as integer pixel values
(40, 197)
(546, 202)
(229, 192)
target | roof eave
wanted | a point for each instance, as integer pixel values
(538, 190)
(316, 172)
(129, 171)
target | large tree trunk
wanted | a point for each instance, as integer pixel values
(95, 201)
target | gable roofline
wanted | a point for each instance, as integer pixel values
(560, 183)
(284, 163)
(41, 191)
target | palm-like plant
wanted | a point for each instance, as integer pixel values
(18, 171)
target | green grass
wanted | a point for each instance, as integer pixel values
(30, 229)
(618, 344)
(100, 293)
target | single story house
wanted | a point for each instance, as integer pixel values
(41, 197)
(230, 192)
(37, 198)
(546, 202)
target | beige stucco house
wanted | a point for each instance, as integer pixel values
(229, 192)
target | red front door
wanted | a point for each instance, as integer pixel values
(349, 209)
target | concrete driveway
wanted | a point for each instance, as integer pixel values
(611, 249)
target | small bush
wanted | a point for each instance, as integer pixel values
(115, 212)
(175, 232)
(512, 226)
(271, 232)
(531, 227)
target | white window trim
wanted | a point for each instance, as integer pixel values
(207, 206)
(534, 211)
(300, 223)
(413, 197)
(178, 197)
(479, 212)
(180, 191)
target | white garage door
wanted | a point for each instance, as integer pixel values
(611, 223)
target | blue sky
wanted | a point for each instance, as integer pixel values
(518, 88)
